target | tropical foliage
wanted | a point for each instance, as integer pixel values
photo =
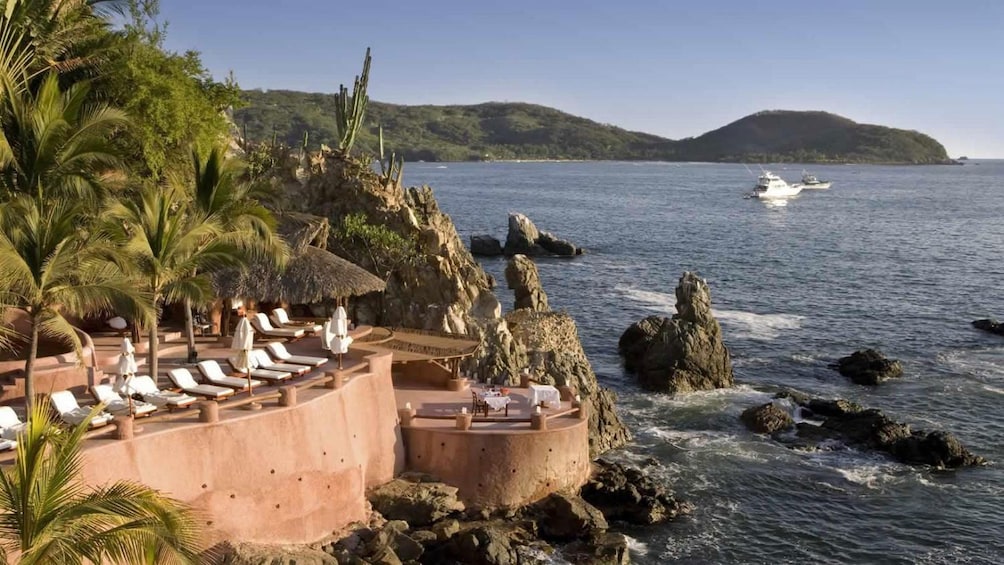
(497, 130)
(49, 517)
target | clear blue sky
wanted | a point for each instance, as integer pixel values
(671, 68)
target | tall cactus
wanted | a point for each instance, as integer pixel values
(349, 110)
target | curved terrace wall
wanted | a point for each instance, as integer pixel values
(63, 371)
(277, 475)
(506, 467)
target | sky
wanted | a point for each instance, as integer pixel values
(671, 68)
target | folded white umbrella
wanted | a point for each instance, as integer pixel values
(127, 367)
(244, 342)
(341, 322)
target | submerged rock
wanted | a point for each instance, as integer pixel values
(524, 238)
(989, 325)
(683, 353)
(871, 429)
(767, 418)
(630, 495)
(522, 277)
(868, 367)
(485, 246)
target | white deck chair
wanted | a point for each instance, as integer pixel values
(186, 382)
(213, 373)
(263, 374)
(279, 351)
(281, 319)
(148, 391)
(118, 405)
(65, 404)
(263, 361)
(261, 325)
(10, 424)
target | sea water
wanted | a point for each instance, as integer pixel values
(901, 259)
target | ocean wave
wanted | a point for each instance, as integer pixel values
(738, 323)
(635, 547)
(982, 363)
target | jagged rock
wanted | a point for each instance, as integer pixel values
(417, 503)
(524, 238)
(628, 494)
(522, 277)
(424, 537)
(681, 354)
(254, 554)
(871, 429)
(446, 529)
(608, 548)
(767, 418)
(868, 367)
(564, 517)
(989, 325)
(485, 246)
(555, 356)
(489, 544)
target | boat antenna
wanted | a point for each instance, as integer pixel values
(748, 170)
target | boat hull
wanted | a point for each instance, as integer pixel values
(775, 192)
(816, 186)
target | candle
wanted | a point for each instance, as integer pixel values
(578, 398)
(538, 409)
(407, 406)
(463, 410)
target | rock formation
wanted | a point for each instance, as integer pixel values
(989, 325)
(868, 367)
(631, 495)
(555, 356)
(767, 418)
(522, 277)
(524, 238)
(485, 246)
(871, 429)
(415, 498)
(683, 353)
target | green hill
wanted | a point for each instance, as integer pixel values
(497, 130)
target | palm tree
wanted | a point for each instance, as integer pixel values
(48, 516)
(171, 248)
(219, 193)
(53, 268)
(55, 144)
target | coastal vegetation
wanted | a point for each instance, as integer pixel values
(507, 131)
(48, 517)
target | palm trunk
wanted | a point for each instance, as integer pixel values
(152, 360)
(29, 367)
(225, 318)
(190, 331)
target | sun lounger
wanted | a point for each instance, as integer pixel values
(118, 405)
(281, 319)
(261, 360)
(65, 404)
(213, 373)
(186, 382)
(148, 391)
(279, 351)
(264, 374)
(261, 325)
(10, 424)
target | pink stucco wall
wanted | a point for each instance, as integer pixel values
(278, 475)
(503, 468)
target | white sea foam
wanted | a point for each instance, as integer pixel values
(738, 323)
(870, 476)
(636, 547)
(985, 363)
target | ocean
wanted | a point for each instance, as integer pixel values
(901, 259)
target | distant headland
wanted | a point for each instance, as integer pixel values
(519, 131)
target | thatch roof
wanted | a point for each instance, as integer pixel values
(312, 274)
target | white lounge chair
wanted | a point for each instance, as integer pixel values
(118, 405)
(261, 360)
(65, 404)
(147, 389)
(279, 351)
(186, 382)
(213, 373)
(269, 375)
(261, 325)
(281, 319)
(10, 424)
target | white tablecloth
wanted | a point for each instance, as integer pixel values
(497, 402)
(546, 394)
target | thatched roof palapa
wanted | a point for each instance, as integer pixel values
(311, 275)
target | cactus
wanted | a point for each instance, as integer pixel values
(391, 171)
(349, 110)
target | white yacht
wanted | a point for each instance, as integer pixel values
(810, 182)
(769, 185)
